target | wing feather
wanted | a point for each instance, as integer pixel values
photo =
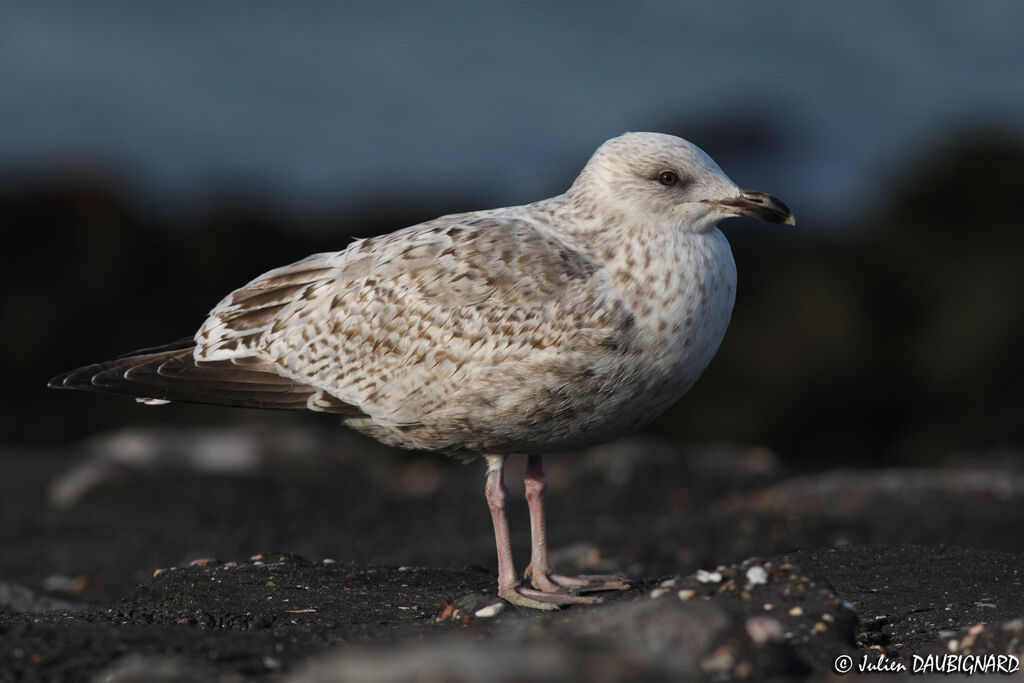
(390, 328)
(395, 324)
(170, 373)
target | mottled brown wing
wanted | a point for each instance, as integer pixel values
(448, 263)
(170, 373)
(396, 324)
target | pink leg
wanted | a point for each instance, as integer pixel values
(508, 583)
(539, 570)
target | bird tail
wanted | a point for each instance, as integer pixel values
(170, 373)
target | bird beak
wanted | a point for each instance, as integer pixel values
(757, 205)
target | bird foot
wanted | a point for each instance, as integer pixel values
(549, 582)
(544, 600)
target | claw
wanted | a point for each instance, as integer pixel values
(584, 583)
(538, 599)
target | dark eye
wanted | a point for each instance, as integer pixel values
(667, 178)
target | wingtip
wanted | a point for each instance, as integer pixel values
(79, 378)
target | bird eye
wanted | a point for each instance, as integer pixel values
(667, 178)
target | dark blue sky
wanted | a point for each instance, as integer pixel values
(327, 104)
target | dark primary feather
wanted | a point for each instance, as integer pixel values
(170, 373)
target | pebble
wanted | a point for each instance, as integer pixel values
(757, 575)
(764, 630)
(705, 576)
(491, 610)
(720, 661)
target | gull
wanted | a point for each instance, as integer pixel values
(528, 330)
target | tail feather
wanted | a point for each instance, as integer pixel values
(170, 373)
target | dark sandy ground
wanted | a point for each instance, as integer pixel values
(299, 555)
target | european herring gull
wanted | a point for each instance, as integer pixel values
(529, 329)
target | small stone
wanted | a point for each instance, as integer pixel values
(668, 583)
(820, 627)
(972, 635)
(720, 661)
(757, 575)
(328, 560)
(764, 630)
(797, 611)
(658, 592)
(492, 610)
(705, 576)
(444, 610)
(686, 593)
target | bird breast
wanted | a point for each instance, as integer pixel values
(681, 288)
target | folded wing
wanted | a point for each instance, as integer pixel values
(390, 327)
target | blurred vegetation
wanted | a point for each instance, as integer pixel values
(899, 341)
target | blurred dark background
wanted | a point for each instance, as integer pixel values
(153, 157)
